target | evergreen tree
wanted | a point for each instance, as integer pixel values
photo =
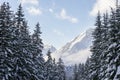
(49, 67)
(113, 51)
(104, 47)
(19, 20)
(55, 71)
(6, 41)
(37, 41)
(81, 71)
(36, 35)
(75, 74)
(96, 50)
(61, 70)
(23, 58)
(86, 72)
(37, 53)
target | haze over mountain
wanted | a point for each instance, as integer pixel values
(77, 50)
(48, 47)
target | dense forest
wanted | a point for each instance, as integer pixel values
(104, 63)
(21, 55)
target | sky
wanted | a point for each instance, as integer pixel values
(61, 20)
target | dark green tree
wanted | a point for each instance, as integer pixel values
(86, 70)
(61, 70)
(6, 41)
(96, 49)
(49, 67)
(24, 68)
(55, 74)
(75, 74)
(104, 46)
(113, 51)
(37, 52)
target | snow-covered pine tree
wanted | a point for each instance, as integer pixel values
(49, 67)
(96, 50)
(36, 40)
(104, 46)
(113, 51)
(6, 43)
(24, 68)
(86, 72)
(61, 70)
(37, 53)
(55, 71)
(81, 72)
(75, 72)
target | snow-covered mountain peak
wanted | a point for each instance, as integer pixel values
(76, 49)
(49, 46)
(77, 39)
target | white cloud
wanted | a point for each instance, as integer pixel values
(77, 58)
(34, 2)
(63, 15)
(58, 32)
(74, 20)
(34, 11)
(32, 7)
(51, 10)
(102, 6)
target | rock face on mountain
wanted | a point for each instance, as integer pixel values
(77, 50)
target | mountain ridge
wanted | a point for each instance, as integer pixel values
(79, 47)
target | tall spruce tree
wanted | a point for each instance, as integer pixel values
(87, 68)
(81, 71)
(49, 67)
(61, 70)
(6, 42)
(55, 71)
(96, 50)
(104, 46)
(23, 58)
(37, 41)
(37, 53)
(75, 72)
(114, 44)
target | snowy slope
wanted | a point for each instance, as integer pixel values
(77, 50)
